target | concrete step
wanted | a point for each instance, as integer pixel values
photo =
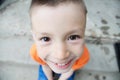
(103, 18)
(97, 75)
(15, 71)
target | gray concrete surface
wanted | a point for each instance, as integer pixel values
(15, 71)
(103, 30)
(103, 18)
(97, 75)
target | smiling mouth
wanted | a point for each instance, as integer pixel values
(63, 65)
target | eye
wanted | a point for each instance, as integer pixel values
(74, 37)
(45, 39)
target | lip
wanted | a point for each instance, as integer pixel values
(63, 65)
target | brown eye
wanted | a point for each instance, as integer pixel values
(74, 37)
(45, 39)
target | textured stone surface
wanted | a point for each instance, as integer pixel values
(103, 58)
(15, 71)
(96, 75)
(103, 18)
(14, 18)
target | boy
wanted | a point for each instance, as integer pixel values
(58, 28)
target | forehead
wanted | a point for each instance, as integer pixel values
(66, 15)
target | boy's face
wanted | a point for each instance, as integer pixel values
(59, 34)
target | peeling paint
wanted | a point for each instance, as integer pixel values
(117, 17)
(118, 24)
(104, 21)
(117, 35)
(104, 77)
(98, 12)
(112, 58)
(97, 77)
(90, 74)
(96, 25)
(106, 50)
(105, 33)
(105, 28)
(93, 33)
(97, 41)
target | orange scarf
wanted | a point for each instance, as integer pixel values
(84, 58)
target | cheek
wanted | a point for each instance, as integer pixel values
(42, 52)
(77, 49)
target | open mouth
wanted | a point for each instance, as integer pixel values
(63, 65)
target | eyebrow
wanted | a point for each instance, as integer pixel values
(43, 33)
(70, 32)
(74, 31)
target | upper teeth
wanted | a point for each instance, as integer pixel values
(60, 64)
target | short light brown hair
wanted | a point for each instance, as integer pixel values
(54, 3)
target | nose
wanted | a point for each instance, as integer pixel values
(60, 51)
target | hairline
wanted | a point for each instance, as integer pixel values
(80, 2)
